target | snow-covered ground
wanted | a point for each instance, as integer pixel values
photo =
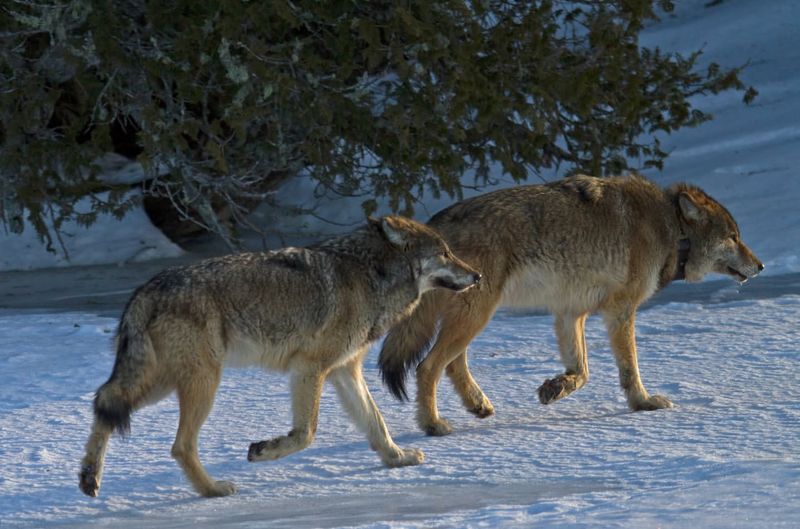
(109, 240)
(727, 456)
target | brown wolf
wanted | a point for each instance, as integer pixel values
(310, 312)
(576, 246)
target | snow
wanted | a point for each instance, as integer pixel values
(728, 456)
(109, 240)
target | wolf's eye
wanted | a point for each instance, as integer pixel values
(734, 238)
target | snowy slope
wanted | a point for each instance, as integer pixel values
(728, 456)
(746, 158)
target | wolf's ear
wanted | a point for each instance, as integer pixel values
(690, 209)
(390, 228)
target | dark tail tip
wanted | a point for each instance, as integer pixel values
(407, 344)
(116, 414)
(395, 382)
(393, 374)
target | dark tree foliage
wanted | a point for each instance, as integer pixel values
(222, 101)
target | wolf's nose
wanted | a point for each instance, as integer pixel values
(760, 266)
(476, 277)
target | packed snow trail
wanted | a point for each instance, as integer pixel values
(727, 456)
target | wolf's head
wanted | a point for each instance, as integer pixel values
(428, 254)
(715, 243)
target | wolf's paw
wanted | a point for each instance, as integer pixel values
(264, 450)
(482, 410)
(438, 428)
(404, 457)
(89, 483)
(220, 488)
(654, 402)
(554, 389)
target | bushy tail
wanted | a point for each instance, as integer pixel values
(408, 342)
(125, 389)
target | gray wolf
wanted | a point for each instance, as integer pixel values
(310, 312)
(574, 247)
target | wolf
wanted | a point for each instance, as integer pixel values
(573, 247)
(311, 312)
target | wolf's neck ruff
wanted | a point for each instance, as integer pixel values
(683, 243)
(683, 256)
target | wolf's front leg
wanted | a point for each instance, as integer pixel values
(621, 331)
(356, 399)
(306, 390)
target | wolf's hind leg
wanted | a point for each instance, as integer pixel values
(570, 332)
(461, 323)
(195, 398)
(92, 463)
(471, 394)
(428, 374)
(306, 392)
(356, 399)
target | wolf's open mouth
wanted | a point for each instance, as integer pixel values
(740, 277)
(444, 283)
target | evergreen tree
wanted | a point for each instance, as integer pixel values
(224, 100)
